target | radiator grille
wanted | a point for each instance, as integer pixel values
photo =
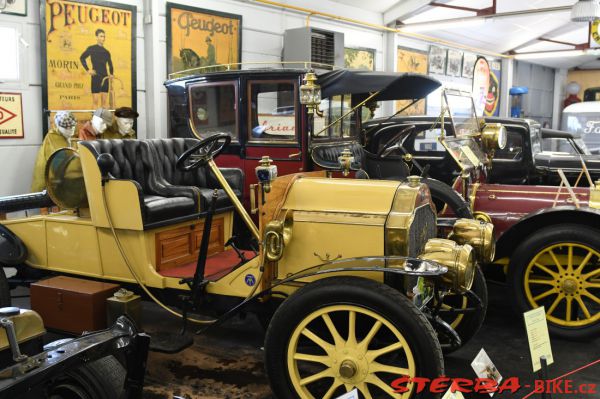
(422, 229)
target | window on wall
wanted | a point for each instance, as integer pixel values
(272, 111)
(9, 48)
(213, 109)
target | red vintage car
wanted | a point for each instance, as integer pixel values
(548, 237)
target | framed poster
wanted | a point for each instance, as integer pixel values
(414, 61)
(468, 65)
(88, 57)
(359, 58)
(437, 60)
(11, 116)
(16, 7)
(481, 84)
(199, 38)
(454, 64)
(493, 95)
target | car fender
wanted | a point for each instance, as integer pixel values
(542, 218)
(12, 250)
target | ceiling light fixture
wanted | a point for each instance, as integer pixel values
(555, 54)
(585, 11)
(442, 25)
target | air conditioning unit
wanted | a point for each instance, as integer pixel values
(319, 46)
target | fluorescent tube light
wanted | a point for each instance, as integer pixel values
(585, 11)
(442, 25)
(555, 54)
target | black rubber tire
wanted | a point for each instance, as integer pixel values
(101, 379)
(441, 193)
(471, 322)
(368, 294)
(5, 299)
(526, 251)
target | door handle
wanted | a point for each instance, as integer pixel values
(296, 155)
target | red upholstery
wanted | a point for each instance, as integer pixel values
(217, 266)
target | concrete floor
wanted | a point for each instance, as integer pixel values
(227, 361)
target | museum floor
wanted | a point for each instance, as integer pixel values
(227, 361)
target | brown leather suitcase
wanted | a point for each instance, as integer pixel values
(71, 304)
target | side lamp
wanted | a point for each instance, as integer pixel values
(310, 92)
(266, 172)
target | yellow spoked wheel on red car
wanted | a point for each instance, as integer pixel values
(559, 268)
(340, 334)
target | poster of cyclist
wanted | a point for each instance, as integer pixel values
(88, 56)
(202, 40)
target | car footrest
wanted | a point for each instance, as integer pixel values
(166, 342)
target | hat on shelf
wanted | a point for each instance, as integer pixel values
(65, 119)
(104, 114)
(126, 112)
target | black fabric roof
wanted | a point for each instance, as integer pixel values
(393, 86)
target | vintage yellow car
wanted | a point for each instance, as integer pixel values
(356, 288)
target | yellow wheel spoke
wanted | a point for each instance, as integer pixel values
(554, 304)
(538, 281)
(364, 389)
(339, 341)
(326, 360)
(545, 294)
(332, 388)
(378, 367)
(591, 274)
(569, 308)
(584, 261)
(349, 387)
(570, 259)
(326, 346)
(364, 344)
(374, 354)
(555, 259)
(584, 308)
(352, 328)
(315, 377)
(591, 284)
(387, 388)
(545, 269)
(591, 296)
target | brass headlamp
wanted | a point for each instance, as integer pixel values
(478, 234)
(458, 259)
(310, 92)
(345, 160)
(494, 136)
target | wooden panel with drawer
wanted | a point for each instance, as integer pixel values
(180, 246)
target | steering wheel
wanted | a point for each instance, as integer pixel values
(394, 142)
(203, 152)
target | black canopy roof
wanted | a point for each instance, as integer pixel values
(393, 86)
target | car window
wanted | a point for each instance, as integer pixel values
(556, 144)
(213, 109)
(332, 109)
(513, 149)
(272, 111)
(427, 141)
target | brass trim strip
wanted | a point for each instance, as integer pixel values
(532, 192)
(362, 219)
(473, 195)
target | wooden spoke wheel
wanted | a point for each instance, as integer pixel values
(338, 334)
(563, 275)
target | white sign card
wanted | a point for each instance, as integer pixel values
(484, 368)
(538, 337)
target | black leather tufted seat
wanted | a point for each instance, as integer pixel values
(159, 201)
(168, 150)
(388, 168)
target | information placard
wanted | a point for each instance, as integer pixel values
(11, 116)
(538, 337)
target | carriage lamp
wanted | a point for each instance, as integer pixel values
(266, 172)
(310, 92)
(345, 160)
(479, 235)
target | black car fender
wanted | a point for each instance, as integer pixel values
(542, 218)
